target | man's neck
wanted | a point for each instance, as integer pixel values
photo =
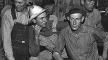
(90, 11)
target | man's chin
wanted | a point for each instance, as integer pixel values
(19, 9)
(74, 29)
(90, 10)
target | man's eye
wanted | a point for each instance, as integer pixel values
(42, 17)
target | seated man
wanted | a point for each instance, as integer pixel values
(77, 38)
(38, 16)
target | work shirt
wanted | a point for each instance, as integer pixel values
(4, 9)
(7, 25)
(81, 46)
(93, 19)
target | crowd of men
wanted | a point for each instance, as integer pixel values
(33, 32)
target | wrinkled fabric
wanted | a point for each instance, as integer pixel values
(93, 19)
(4, 9)
(7, 25)
(80, 46)
(20, 41)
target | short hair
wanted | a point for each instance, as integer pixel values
(75, 10)
(48, 2)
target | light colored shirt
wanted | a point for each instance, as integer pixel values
(81, 46)
(4, 9)
(7, 25)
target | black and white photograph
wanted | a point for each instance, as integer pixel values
(53, 29)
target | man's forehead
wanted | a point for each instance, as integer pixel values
(76, 15)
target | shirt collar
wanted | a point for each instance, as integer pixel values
(83, 30)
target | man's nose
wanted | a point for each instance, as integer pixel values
(74, 22)
(44, 19)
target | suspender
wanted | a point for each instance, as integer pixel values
(13, 12)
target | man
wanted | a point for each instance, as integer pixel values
(49, 5)
(93, 18)
(40, 20)
(15, 31)
(77, 38)
(51, 33)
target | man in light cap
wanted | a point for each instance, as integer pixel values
(77, 38)
(38, 16)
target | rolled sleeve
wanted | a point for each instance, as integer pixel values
(6, 36)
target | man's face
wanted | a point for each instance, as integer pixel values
(20, 5)
(89, 5)
(75, 21)
(41, 20)
(49, 8)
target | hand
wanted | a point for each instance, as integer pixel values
(101, 58)
(45, 55)
(11, 58)
(57, 56)
(33, 58)
(50, 47)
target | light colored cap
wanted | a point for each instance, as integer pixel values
(35, 11)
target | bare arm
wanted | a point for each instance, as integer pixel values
(105, 50)
(60, 43)
(6, 37)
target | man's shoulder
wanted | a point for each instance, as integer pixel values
(88, 29)
(5, 9)
(7, 12)
(65, 30)
(96, 11)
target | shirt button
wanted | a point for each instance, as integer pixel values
(23, 41)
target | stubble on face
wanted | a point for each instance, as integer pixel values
(89, 5)
(20, 5)
(41, 20)
(75, 21)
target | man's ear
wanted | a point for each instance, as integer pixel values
(83, 18)
(67, 18)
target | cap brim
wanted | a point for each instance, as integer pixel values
(34, 16)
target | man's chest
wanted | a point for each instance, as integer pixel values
(80, 41)
(22, 18)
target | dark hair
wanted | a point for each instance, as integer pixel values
(75, 10)
(47, 2)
